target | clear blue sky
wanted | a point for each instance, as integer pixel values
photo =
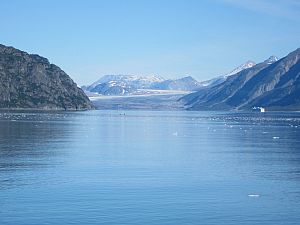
(171, 38)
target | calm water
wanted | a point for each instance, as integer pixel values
(103, 167)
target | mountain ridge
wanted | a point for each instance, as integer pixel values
(133, 84)
(220, 79)
(130, 84)
(252, 87)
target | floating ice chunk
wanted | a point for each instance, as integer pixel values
(275, 137)
(175, 134)
(253, 195)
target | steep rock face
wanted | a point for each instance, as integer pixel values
(278, 86)
(279, 75)
(30, 81)
(272, 84)
(215, 97)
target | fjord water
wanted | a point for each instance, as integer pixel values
(149, 167)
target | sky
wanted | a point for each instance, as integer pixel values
(169, 38)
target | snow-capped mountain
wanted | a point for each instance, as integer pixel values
(271, 59)
(132, 85)
(128, 80)
(244, 66)
(113, 88)
(220, 79)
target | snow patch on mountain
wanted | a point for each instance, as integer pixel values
(244, 66)
(131, 80)
(135, 85)
(271, 59)
(220, 79)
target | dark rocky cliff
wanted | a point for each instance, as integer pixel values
(30, 81)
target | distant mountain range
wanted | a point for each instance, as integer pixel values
(131, 84)
(134, 81)
(273, 84)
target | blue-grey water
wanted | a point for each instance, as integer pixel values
(149, 167)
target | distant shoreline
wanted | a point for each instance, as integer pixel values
(82, 110)
(43, 110)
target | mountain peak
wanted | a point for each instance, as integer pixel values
(271, 59)
(244, 66)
